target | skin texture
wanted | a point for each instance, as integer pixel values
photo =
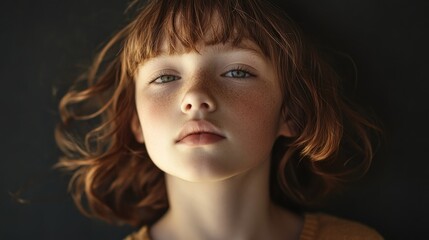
(218, 187)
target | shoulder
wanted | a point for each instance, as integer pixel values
(141, 234)
(323, 226)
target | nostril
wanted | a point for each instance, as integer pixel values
(205, 105)
(188, 107)
(193, 102)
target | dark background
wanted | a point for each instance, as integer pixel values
(45, 44)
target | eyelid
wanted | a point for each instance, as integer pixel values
(161, 74)
(242, 68)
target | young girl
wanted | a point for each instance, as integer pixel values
(212, 120)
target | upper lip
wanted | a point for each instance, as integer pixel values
(197, 126)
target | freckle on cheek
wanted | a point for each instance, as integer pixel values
(160, 107)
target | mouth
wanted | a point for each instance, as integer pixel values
(199, 133)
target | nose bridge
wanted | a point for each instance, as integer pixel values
(198, 94)
(200, 82)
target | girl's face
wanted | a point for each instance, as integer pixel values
(209, 115)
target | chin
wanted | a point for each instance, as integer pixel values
(200, 171)
(207, 173)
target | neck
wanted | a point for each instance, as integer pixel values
(236, 208)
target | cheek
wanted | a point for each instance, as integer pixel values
(154, 111)
(154, 98)
(257, 110)
(253, 121)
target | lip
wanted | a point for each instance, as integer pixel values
(199, 132)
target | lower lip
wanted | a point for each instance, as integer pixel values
(201, 139)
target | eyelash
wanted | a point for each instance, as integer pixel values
(160, 75)
(241, 69)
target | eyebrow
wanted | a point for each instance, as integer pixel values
(243, 47)
(255, 52)
(246, 46)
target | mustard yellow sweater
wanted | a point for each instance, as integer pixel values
(317, 226)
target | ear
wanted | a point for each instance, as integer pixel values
(136, 128)
(286, 127)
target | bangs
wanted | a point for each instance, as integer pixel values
(178, 26)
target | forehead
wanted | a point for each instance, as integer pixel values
(201, 47)
(248, 50)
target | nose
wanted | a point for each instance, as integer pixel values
(197, 99)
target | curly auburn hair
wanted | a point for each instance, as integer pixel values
(113, 177)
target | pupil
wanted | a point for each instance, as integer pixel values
(238, 73)
(167, 78)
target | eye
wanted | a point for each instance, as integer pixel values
(165, 79)
(238, 73)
